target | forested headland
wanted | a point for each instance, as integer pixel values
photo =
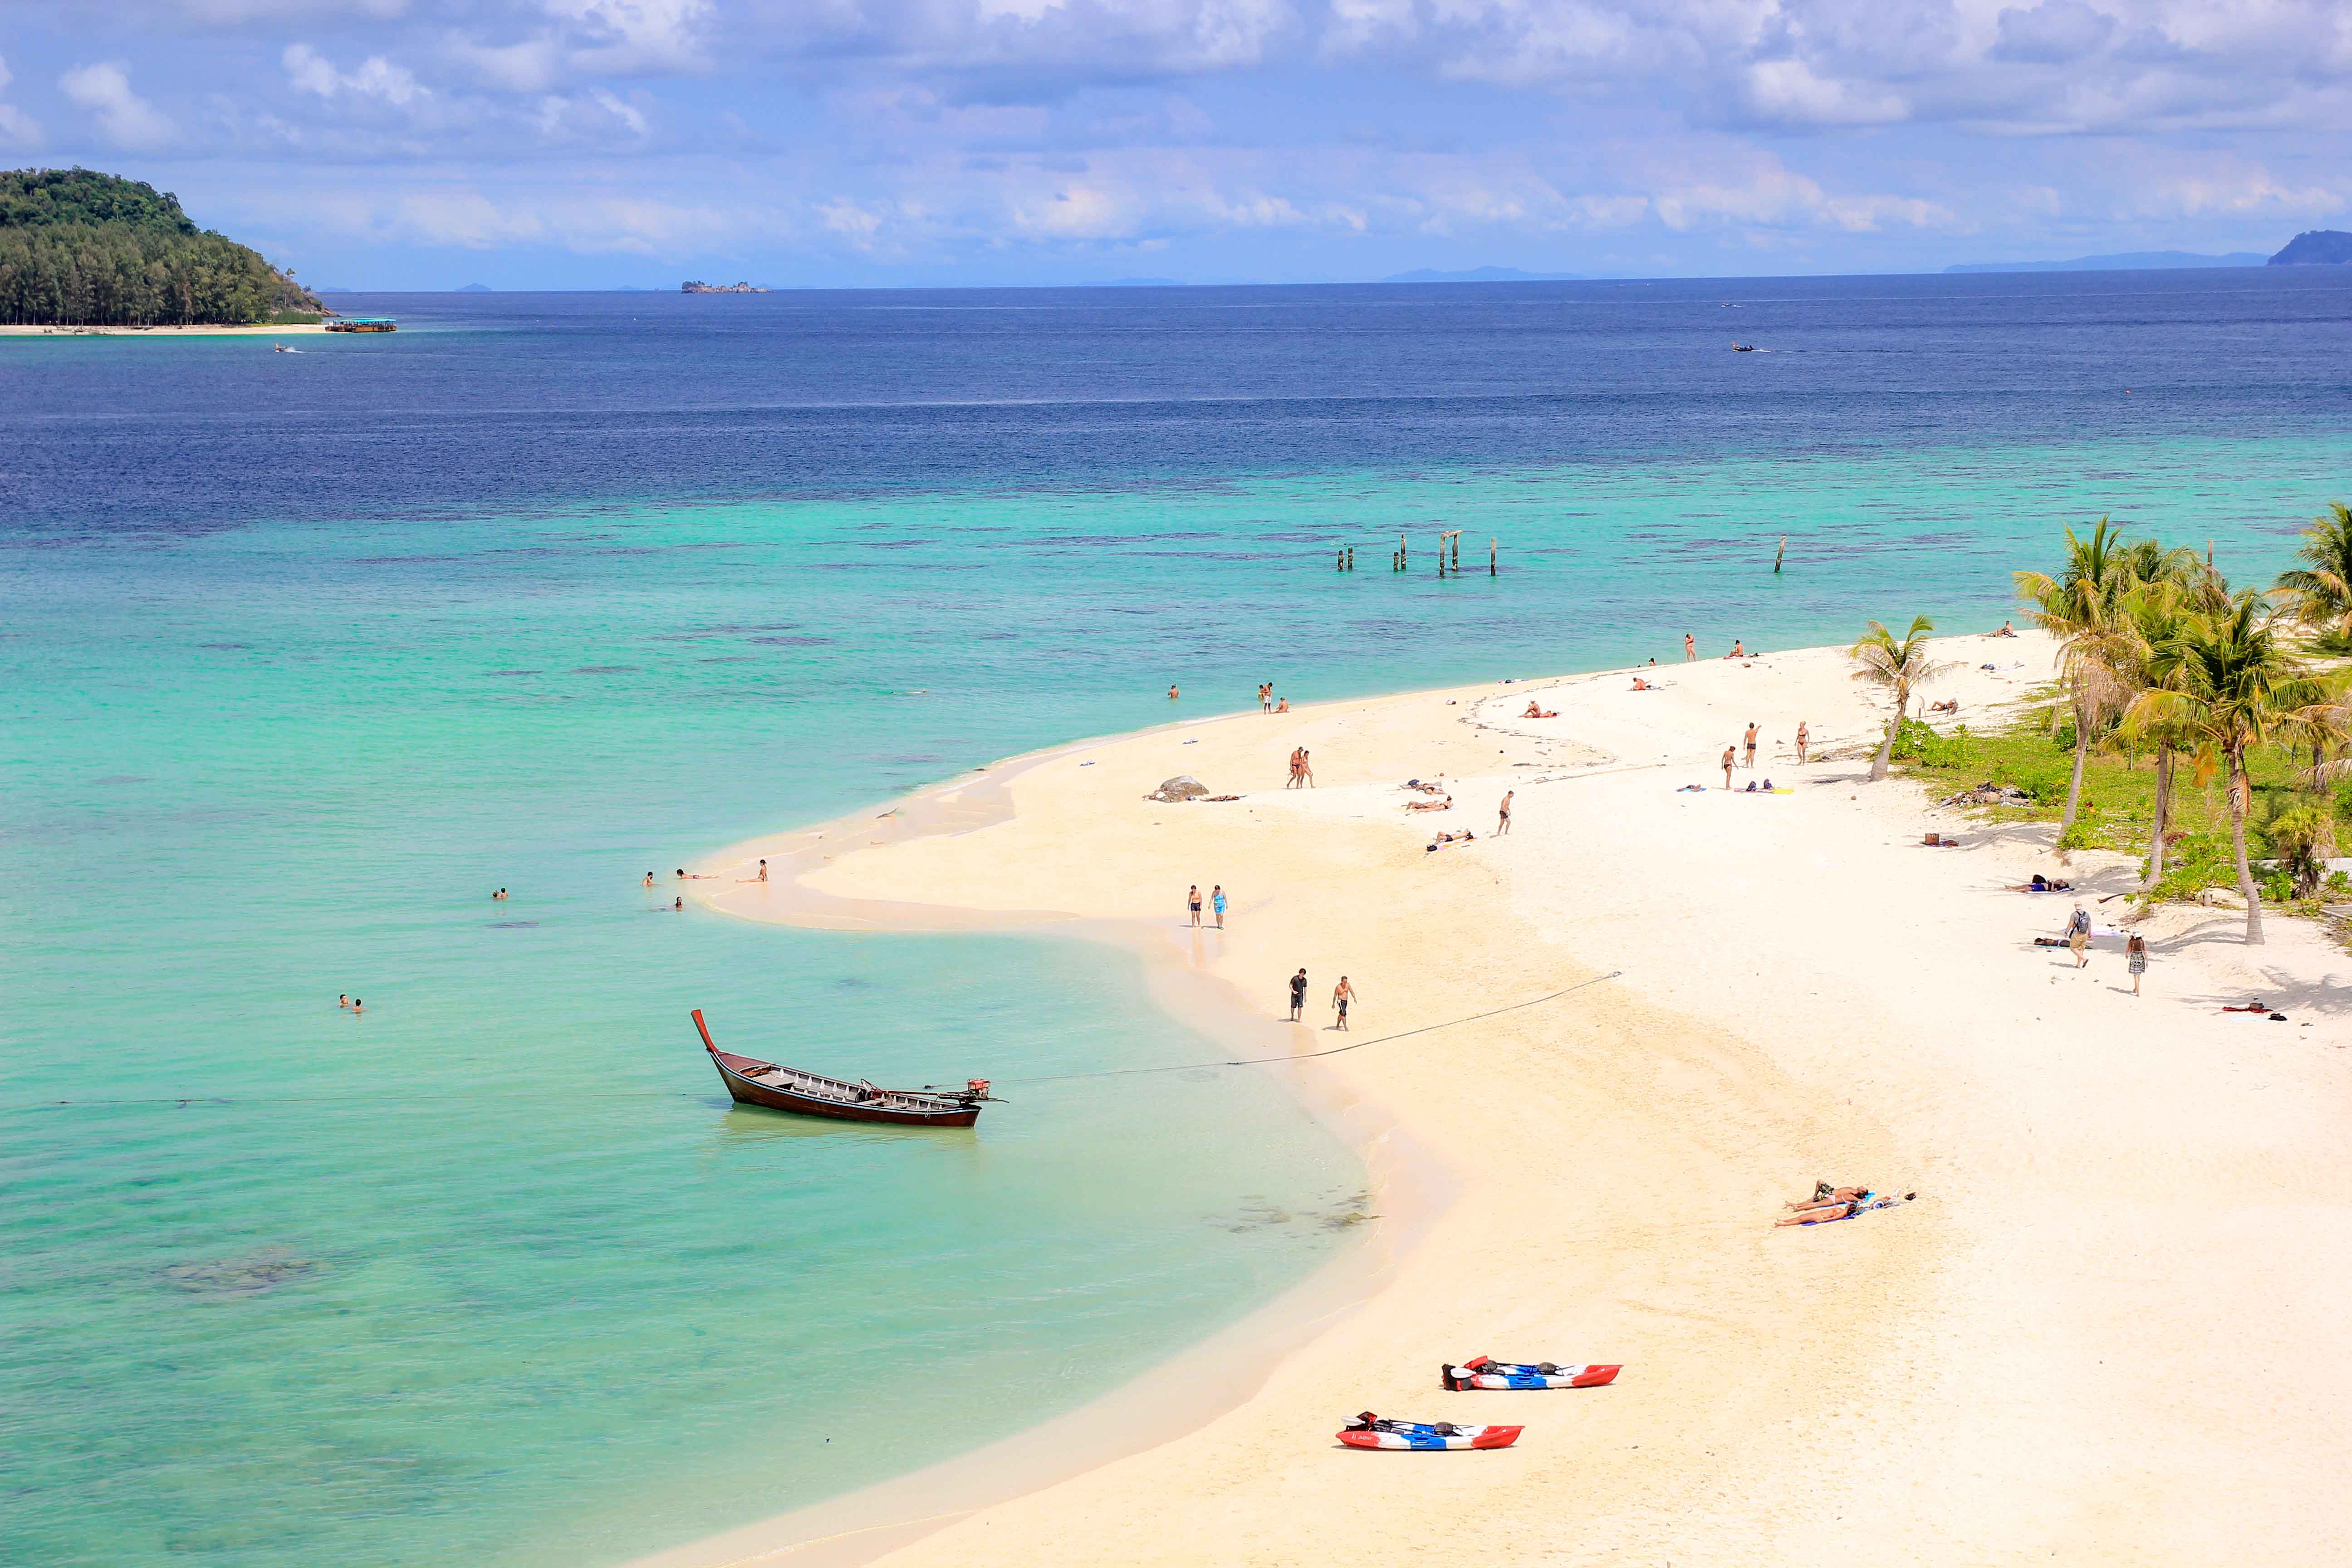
(82, 248)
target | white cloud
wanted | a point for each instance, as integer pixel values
(1079, 210)
(596, 114)
(534, 65)
(128, 120)
(1788, 92)
(637, 36)
(376, 78)
(17, 129)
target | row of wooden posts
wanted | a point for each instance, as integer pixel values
(1449, 543)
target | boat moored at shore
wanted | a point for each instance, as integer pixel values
(751, 1081)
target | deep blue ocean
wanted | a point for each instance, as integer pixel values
(302, 654)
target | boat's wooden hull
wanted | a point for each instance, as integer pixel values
(750, 1081)
(747, 1092)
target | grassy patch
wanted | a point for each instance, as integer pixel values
(2118, 797)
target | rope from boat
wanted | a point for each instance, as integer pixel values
(187, 1099)
(1334, 1051)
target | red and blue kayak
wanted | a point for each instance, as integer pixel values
(1368, 1431)
(1485, 1371)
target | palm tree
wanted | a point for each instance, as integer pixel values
(2148, 561)
(2081, 608)
(2318, 593)
(2304, 838)
(1897, 666)
(2235, 684)
(2155, 614)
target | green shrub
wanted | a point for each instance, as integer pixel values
(2199, 861)
(1915, 742)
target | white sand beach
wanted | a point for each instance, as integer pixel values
(157, 331)
(2109, 1330)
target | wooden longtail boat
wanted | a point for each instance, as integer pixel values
(755, 1082)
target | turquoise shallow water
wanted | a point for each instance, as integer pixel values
(494, 1274)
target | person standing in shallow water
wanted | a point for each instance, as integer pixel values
(1342, 994)
(1298, 996)
(1192, 901)
(1217, 902)
(1690, 648)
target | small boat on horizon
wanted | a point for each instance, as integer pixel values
(751, 1081)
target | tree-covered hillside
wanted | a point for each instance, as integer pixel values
(81, 248)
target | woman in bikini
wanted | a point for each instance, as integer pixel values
(1805, 738)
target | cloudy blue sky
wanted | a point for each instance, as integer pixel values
(572, 143)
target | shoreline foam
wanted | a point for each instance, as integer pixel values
(1809, 992)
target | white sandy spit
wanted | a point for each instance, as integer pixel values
(2110, 1329)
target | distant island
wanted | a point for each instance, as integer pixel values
(2126, 261)
(690, 288)
(1483, 275)
(80, 248)
(2318, 247)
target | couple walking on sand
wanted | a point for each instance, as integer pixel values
(2078, 943)
(1302, 770)
(1216, 902)
(1342, 994)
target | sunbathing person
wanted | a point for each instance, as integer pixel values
(2041, 884)
(1535, 712)
(1839, 1208)
(1640, 684)
(1951, 707)
(1462, 837)
(1825, 1193)
(1444, 805)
